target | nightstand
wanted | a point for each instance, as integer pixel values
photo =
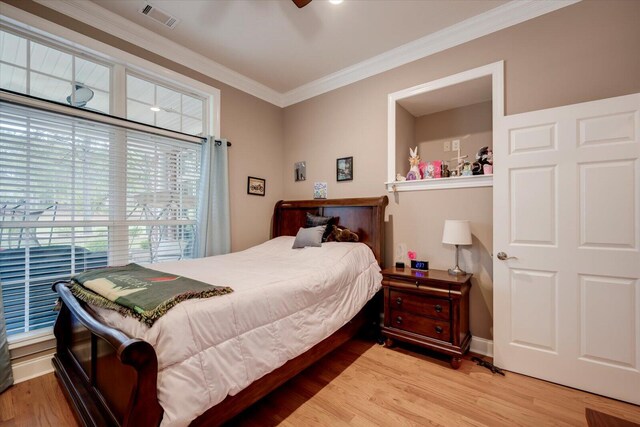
(429, 309)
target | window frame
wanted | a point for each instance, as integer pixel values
(74, 52)
(167, 85)
(48, 33)
(31, 26)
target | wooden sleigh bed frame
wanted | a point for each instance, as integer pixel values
(110, 378)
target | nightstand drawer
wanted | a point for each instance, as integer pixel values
(420, 325)
(418, 304)
(416, 285)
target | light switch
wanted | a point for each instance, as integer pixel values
(447, 146)
(455, 144)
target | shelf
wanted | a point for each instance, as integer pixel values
(441, 183)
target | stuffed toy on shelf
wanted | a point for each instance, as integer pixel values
(414, 162)
(484, 162)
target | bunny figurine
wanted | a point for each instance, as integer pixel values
(414, 162)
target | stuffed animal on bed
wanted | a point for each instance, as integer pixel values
(343, 235)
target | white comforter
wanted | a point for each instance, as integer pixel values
(284, 302)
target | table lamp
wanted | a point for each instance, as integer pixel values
(456, 232)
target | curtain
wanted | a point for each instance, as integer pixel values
(214, 230)
(6, 376)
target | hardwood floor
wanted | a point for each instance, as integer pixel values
(37, 402)
(364, 384)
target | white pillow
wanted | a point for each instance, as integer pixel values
(309, 237)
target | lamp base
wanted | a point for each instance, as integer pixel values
(457, 271)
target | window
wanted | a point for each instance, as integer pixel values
(158, 105)
(78, 194)
(40, 68)
(48, 72)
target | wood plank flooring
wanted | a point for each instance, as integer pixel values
(37, 402)
(364, 384)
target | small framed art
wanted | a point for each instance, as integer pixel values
(256, 186)
(344, 169)
(300, 171)
(320, 190)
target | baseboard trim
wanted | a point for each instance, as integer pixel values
(23, 371)
(481, 346)
(29, 369)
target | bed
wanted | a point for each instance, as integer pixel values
(111, 378)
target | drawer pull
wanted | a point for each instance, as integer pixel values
(399, 301)
(438, 308)
(439, 329)
(399, 320)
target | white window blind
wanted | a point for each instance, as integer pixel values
(77, 194)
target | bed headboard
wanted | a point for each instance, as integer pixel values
(364, 216)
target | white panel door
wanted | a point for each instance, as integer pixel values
(567, 216)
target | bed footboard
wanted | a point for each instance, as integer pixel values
(108, 377)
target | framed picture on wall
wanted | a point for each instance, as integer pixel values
(300, 171)
(320, 190)
(256, 186)
(344, 169)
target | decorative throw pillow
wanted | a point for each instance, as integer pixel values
(343, 235)
(309, 237)
(316, 220)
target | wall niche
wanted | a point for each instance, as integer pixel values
(434, 116)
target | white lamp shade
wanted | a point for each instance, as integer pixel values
(456, 232)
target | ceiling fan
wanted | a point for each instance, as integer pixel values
(301, 3)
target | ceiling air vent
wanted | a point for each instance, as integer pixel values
(159, 15)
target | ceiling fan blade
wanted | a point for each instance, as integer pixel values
(301, 3)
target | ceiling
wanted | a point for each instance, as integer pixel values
(283, 47)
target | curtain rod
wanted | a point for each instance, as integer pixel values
(219, 142)
(59, 107)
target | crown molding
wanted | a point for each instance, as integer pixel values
(507, 15)
(107, 21)
(501, 17)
